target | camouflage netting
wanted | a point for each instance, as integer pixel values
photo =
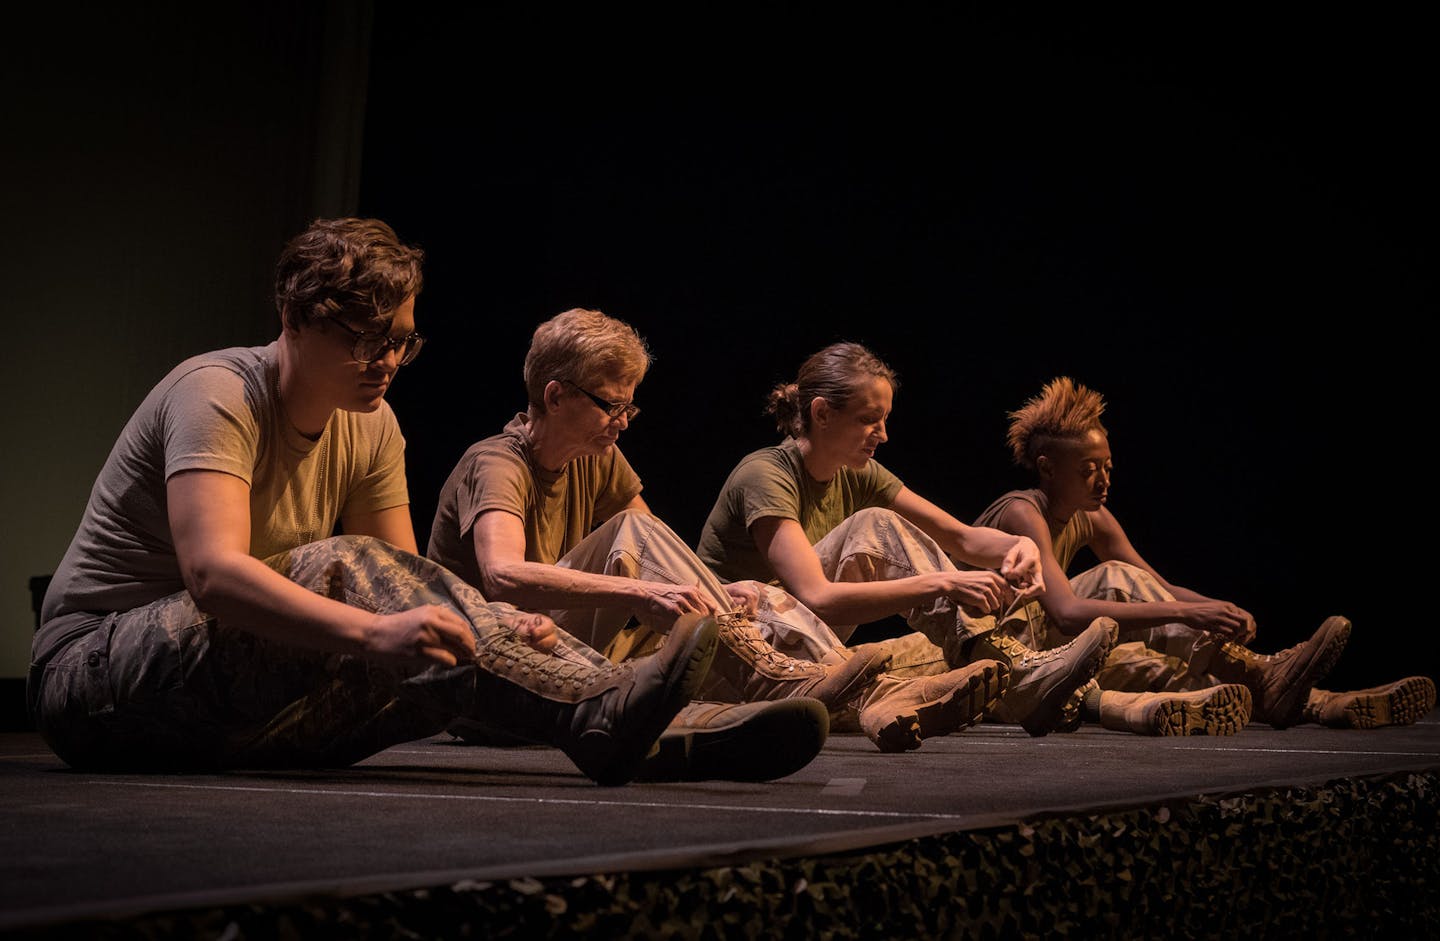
(1352, 858)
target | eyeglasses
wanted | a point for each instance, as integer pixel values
(371, 346)
(613, 409)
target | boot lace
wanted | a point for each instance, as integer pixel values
(1022, 656)
(738, 626)
(549, 668)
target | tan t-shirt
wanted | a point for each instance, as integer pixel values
(773, 482)
(558, 509)
(220, 412)
(1067, 543)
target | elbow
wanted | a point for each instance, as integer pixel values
(498, 583)
(823, 607)
(204, 580)
(1070, 623)
(815, 601)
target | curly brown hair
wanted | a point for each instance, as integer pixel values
(1063, 411)
(349, 269)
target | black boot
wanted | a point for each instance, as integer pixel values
(747, 741)
(606, 719)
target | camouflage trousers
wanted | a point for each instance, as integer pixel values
(168, 687)
(636, 544)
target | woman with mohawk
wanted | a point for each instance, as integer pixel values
(1182, 666)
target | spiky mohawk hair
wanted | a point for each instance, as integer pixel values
(1064, 410)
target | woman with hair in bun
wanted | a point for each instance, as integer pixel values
(818, 515)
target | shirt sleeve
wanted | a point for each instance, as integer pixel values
(619, 486)
(492, 480)
(765, 488)
(381, 483)
(884, 486)
(209, 423)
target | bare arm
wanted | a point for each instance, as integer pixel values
(1110, 542)
(1015, 557)
(1072, 613)
(790, 554)
(499, 540)
(391, 524)
(209, 515)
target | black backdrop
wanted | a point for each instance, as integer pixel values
(1221, 223)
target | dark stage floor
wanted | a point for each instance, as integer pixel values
(433, 812)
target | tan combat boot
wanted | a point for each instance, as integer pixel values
(605, 718)
(755, 670)
(1219, 710)
(1280, 683)
(1042, 682)
(1403, 702)
(898, 713)
(1072, 716)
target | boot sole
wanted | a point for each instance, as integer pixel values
(1224, 711)
(1044, 718)
(774, 743)
(1403, 702)
(956, 710)
(1291, 708)
(611, 766)
(470, 732)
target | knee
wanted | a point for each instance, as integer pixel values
(879, 520)
(345, 547)
(623, 529)
(1124, 577)
(354, 543)
(641, 527)
(1116, 569)
(631, 518)
(888, 528)
(876, 516)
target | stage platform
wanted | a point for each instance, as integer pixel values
(479, 835)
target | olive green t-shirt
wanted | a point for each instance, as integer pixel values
(773, 482)
(558, 508)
